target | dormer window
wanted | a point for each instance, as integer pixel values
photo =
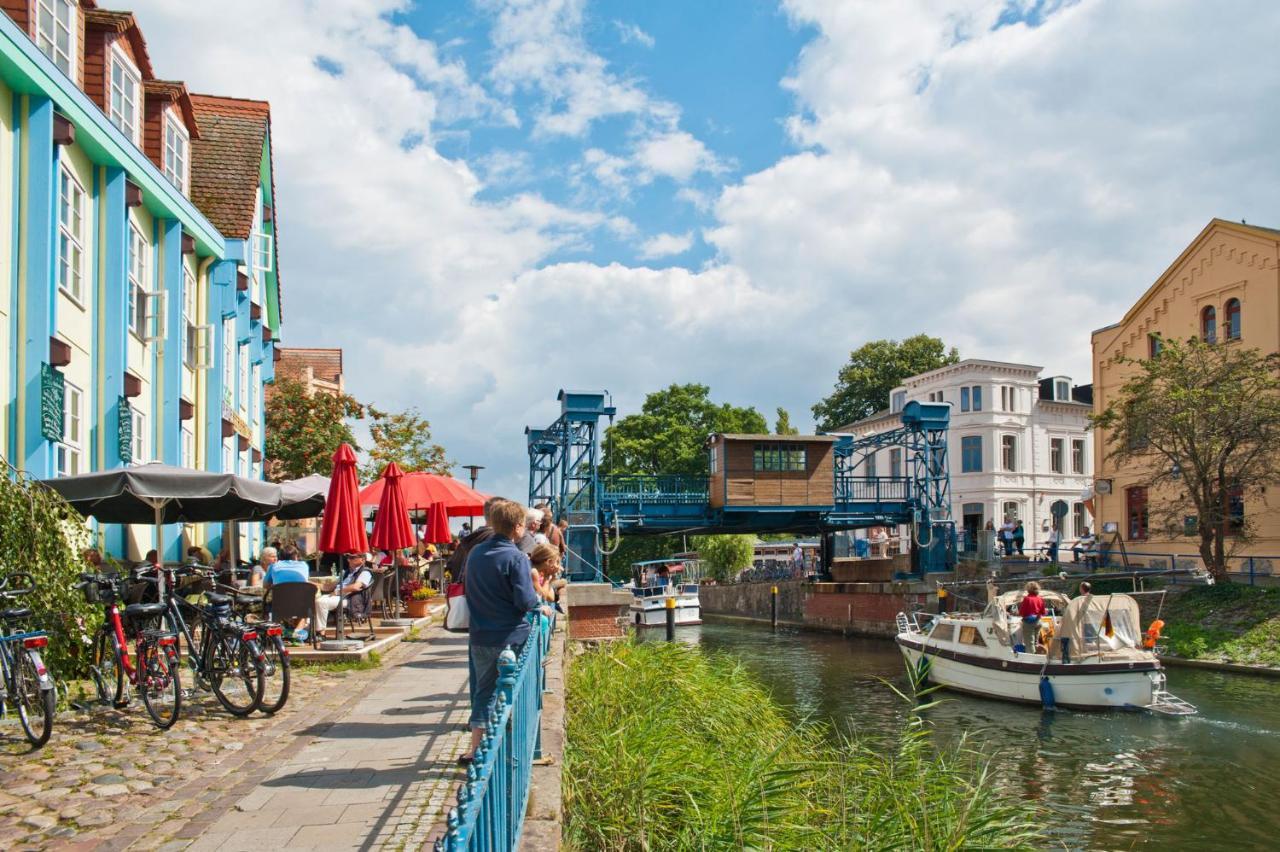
(56, 33)
(126, 95)
(1062, 390)
(176, 144)
(898, 400)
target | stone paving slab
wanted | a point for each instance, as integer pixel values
(374, 749)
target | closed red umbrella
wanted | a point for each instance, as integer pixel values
(421, 490)
(391, 528)
(342, 530)
(437, 525)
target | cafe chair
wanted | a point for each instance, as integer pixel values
(287, 601)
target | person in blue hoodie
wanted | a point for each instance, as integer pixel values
(500, 593)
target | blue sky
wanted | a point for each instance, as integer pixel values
(484, 201)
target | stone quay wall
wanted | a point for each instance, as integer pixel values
(861, 609)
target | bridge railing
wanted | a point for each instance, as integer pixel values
(654, 489)
(492, 801)
(872, 489)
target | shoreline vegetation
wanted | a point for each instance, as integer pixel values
(672, 748)
(1224, 623)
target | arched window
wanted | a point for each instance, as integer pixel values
(1209, 325)
(1232, 319)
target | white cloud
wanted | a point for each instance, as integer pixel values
(677, 155)
(629, 33)
(666, 245)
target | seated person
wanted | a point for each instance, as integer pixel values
(355, 578)
(265, 561)
(289, 570)
(1085, 546)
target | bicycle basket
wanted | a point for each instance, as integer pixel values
(98, 591)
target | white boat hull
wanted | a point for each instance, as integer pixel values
(652, 612)
(1083, 685)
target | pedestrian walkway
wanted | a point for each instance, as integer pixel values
(379, 777)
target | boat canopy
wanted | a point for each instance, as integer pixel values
(1057, 600)
(1101, 626)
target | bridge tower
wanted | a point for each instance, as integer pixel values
(564, 465)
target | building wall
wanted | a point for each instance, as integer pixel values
(1225, 261)
(7, 265)
(1011, 406)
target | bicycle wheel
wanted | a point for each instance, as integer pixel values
(275, 689)
(236, 674)
(108, 677)
(159, 682)
(35, 704)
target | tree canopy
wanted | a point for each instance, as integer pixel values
(303, 429)
(783, 425)
(723, 556)
(404, 438)
(1199, 424)
(874, 370)
(670, 432)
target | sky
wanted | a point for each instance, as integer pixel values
(484, 201)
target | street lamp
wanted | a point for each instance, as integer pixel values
(475, 471)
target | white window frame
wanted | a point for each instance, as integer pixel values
(177, 151)
(137, 274)
(139, 437)
(188, 447)
(70, 450)
(190, 339)
(1084, 453)
(1013, 447)
(1062, 390)
(228, 463)
(228, 359)
(1061, 465)
(242, 398)
(129, 73)
(260, 253)
(71, 209)
(63, 16)
(255, 388)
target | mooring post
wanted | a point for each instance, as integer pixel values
(773, 607)
(671, 618)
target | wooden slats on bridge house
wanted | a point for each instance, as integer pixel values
(772, 470)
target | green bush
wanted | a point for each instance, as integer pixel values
(669, 748)
(42, 535)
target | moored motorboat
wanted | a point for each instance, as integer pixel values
(661, 580)
(1090, 653)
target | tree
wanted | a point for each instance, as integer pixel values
(304, 429)
(1200, 424)
(874, 370)
(723, 556)
(783, 425)
(669, 434)
(404, 438)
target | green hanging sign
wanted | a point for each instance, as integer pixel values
(125, 429)
(53, 399)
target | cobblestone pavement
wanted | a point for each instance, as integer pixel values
(357, 759)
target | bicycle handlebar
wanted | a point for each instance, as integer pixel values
(19, 592)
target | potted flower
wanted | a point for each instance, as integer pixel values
(418, 600)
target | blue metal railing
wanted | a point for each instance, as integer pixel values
(654, 489)
(492, 801)
(874, 489)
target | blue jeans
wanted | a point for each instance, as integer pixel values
(483, 663)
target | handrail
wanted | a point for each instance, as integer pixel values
(491, 803)
(647, 488)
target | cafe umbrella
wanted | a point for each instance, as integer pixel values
(163, 494)
(342, 528)
(392, 531)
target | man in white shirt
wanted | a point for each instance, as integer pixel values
(355, 578)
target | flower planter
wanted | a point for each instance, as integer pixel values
(417, 608)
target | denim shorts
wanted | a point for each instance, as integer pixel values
(484, 680)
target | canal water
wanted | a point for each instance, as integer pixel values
(1107, 780)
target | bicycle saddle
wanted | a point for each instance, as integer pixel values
(9, 614)
(216, 599)
(140, 610)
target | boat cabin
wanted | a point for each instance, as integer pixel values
(772, 470)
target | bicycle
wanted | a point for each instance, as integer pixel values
(157, 674)
(277, 668)
(25, 681)
(228, 656)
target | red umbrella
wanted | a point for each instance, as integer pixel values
(421, 490)
(437, 525)
(342, 530)
(391, 529)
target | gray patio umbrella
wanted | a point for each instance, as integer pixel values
(161, 494)
(303, 498)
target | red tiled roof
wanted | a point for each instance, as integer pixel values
(124, 22)
(226, 159)
(325, 364)
(177, 93)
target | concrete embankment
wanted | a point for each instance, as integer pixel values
(861, 609)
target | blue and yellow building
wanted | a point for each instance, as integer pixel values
(139, 289)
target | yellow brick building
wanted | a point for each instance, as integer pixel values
(1225, 287)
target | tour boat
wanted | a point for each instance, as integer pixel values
(1091, 654)
(654, 585)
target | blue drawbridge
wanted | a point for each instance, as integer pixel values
(564, 472)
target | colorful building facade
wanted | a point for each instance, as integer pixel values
(138, 278)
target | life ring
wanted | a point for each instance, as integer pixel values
(1152, 636)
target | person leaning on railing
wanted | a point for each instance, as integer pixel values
(500, 592)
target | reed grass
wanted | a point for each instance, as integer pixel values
(672, 748)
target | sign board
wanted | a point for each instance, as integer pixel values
(125, 427)
(53, 399)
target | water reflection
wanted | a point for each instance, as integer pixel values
(1110, 780)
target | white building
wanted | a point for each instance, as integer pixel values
(1018, 445)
